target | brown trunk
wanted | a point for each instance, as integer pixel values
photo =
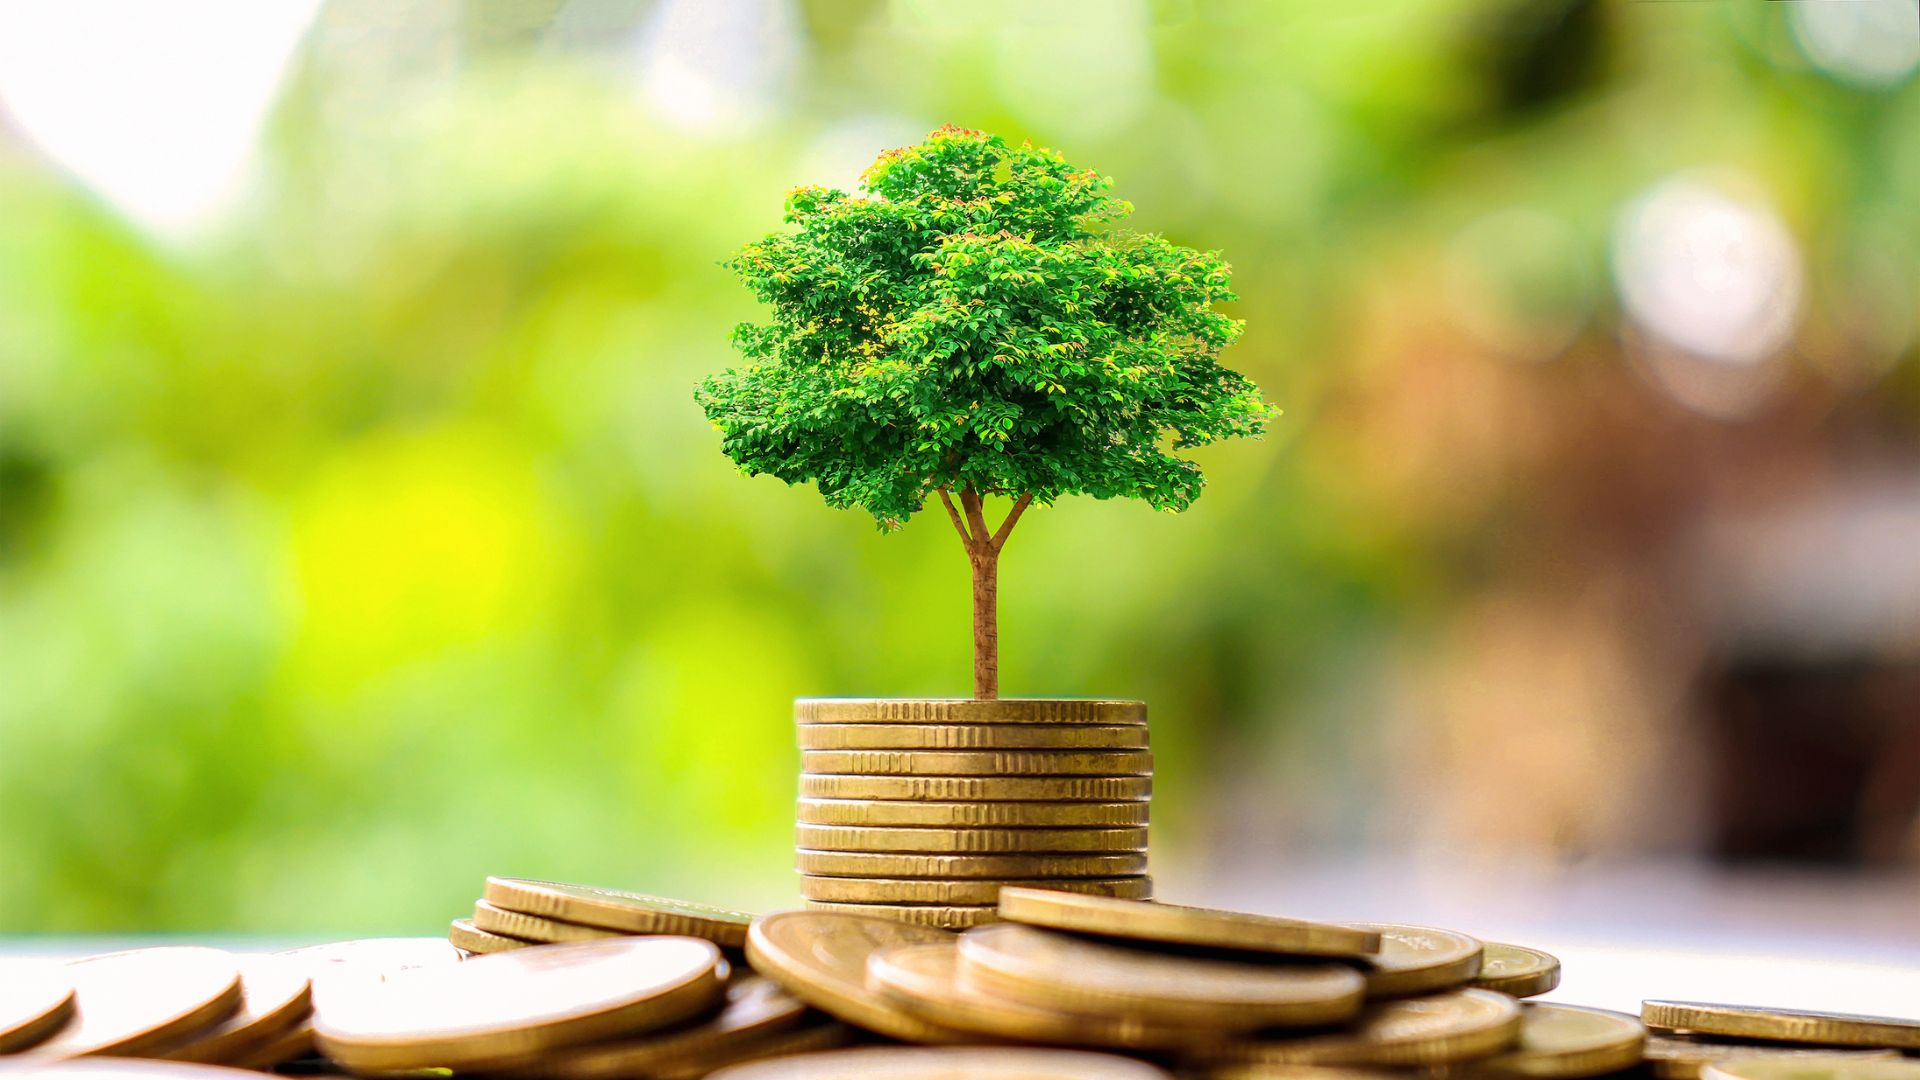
(986, 623)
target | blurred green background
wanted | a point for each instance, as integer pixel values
(359, 535)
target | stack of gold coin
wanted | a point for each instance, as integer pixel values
(922, 810)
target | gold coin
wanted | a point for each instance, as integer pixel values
(616, 909)
(894, 865)
(970, 841)
(36, 1000)
(978, 762)
(979, 788)
(820, 957)
(831, 1035)
(968, 711)
(1781, 1025)
(1439, 1029)
(1173, 924)
(372, 954)
(499, 1010)
(948, 815)
(130, 1002)
(1840, 1066)
(1079, 975)
(944, 916)
(949, 1063)
(516, 924)
(1419, 960)
(275, 995)
(1316, 1072)
(973, 737)
(464, 935)
(755, 1007)
(924, 980)
(1683, 1057)
(844, 890)
(36, 1067)
(1516, 970)
(1560, 1042)
(290, 1045)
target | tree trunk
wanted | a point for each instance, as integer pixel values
(986, 623)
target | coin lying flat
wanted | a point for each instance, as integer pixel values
(871, 812)
(868, 864)
(949, 1063)
(805, 1041)
(275, 995)
(968, 711)
(979, 762)
(821, 958)
(498, 1010)
(1439, 1029)
(846, 890)
(35, 1067)
(944, 916)
(755, 1007)
(969, 841)
(129, 1002)
(463, 934)
(1078, 975)
(290, 1045)
(924, 980)
(517, 924)
(36, 1000)
(978, 788)
(1419, 960)
(1561, 1042)
(1173, 924)
(1781, 1025)
(1812, 1067)
(1683, 1057)
(1516, 970)
(616, 909)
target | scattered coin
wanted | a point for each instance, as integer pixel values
(1516, 970)
(463, 934)
(979, 788)
(968, 711)
(517, 924)
(496, 1011)
(845, 890)
(979, 762)
(1683, 1057)
(820, 957)
(1439, 1029)
(1781, 1025)
(1080, 975)
(867, 864)
(127, 1003)
(1561, 1042)
(1173, 924)
(944, 916)
(1419, 960)
(830, 1035)
(949, 1063)
(970, 841)
(1812, 1067)
(36, 1000)
(290, 1045)
(373, 954)
(883, 812)
(275, 996)
(755, 1007)
(616, 909)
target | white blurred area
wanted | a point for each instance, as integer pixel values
(1874, 44)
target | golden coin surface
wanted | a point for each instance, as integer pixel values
(931, 841)
(1516, 970)
(462, 934)
(949, 1063)
(290, 1045)
(1781, 1025)
(36, 1000)
(617, 909)
(755, 1007)
(1840, 1066)
(1173, 924)
(518, 924)
(925, 980)
(1683, 1057)
(1080, 975)
(844, 890)
(978, 762)
(1439, 1029)
(968, 711)
(979, 788)
(944, 916)
(129, 1002)
(1419, 960)
(867, 864)
(820, 957)
(275, 995)
(973, 737)
(893, 812)
(831, 1035)
(498, 1010)
(1560, 1042)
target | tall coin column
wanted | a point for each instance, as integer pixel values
(921, 809)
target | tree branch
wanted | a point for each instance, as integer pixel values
(970, 499)
(954, 516)
(1019, 507)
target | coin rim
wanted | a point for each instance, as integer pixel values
(886, 840)
(863, 864)
(1181, 925)
(881, 890)
(976, 814)
(853, 710)
(531, 896)
(1800, 1026)
(861, 1010)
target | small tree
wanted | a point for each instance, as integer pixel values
(972, 326)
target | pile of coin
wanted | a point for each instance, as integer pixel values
(514, 913)
(921, 810)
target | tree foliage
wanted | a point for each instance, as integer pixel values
(973, 320)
